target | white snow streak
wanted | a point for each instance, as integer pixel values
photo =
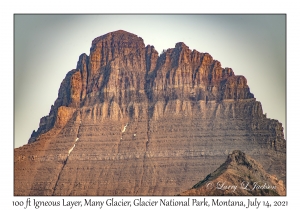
(73, 146)
(124, 129)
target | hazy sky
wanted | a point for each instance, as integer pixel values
(46, 47)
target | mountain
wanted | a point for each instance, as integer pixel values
(128, 121)
(239, 175)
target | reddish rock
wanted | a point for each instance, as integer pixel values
(239, 175)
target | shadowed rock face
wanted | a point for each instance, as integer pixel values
(239, 175)
(128, 121)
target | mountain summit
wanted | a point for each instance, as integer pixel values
(128, 121)
(239, 175)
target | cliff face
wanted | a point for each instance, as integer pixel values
(239, 175)
(128, 121)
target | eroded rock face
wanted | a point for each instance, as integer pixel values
(140, 123)
(239, 175)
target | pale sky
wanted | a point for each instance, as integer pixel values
(46, 47)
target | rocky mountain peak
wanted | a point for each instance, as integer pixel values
(149, 121)
(181, 45)
(119, 39)
(238, 157)
(239, 175)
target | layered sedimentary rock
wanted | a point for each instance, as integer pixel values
(128, 121)
(239, 175)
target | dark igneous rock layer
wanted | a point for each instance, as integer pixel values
(128, 121)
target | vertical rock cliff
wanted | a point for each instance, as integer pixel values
(128, 121)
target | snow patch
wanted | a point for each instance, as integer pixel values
(124, 129)
(73, 146)
(71, 150)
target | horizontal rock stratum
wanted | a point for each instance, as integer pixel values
(128, 121)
